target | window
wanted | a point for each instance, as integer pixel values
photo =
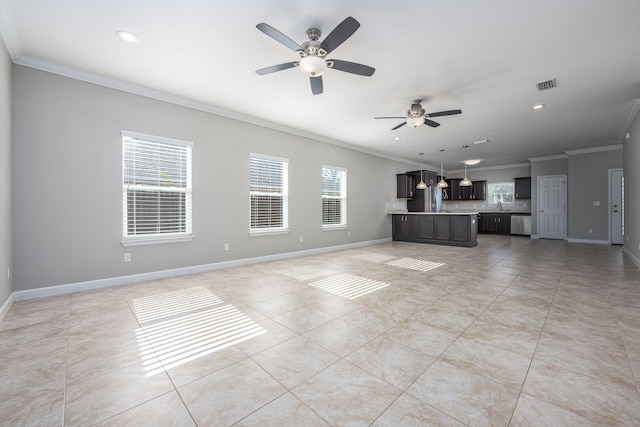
(156, 189)
(501, 192)
(334, 197)
(269, 193)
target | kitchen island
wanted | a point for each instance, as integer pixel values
(440, 228)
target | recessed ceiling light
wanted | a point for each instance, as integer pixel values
(538, 106)
(397, 138)
(128, 37)
(482, 141)
(472, 162)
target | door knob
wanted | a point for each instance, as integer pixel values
(541, 210)
(615, 210)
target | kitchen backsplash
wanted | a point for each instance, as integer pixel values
(483, 206)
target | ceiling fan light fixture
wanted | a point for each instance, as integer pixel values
(313, 66)
(414, 122)
(472, 162)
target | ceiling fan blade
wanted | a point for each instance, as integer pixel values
(316, 85)
(431, 123)
(399, 126)
(351, 67)
(389, 117)
(278, 36)
(444, 113)
(275, 68)
(342, 32)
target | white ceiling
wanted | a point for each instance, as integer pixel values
(483, 57)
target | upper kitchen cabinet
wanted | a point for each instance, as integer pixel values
(478, 191)
(406, 186)
(523, 188)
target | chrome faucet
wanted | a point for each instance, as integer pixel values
(499, 206)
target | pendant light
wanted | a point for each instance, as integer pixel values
(421, 185)
(465, 182)
(442, 183)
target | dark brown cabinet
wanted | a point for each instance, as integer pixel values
(442, 229)
(494, 223)
(406, 186)
(523, 188)
(477, 191)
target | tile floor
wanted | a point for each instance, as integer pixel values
(513, 332)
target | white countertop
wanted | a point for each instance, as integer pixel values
(431, 213)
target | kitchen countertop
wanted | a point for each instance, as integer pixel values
(431, 213)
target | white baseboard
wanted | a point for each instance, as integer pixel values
(154, 275)
(6, 306)
(595, 242)
(628, 253)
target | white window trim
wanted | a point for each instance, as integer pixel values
(154, 239)
(344, 224)
(498, 183)
(256, 232)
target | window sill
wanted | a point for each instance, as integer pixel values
(335, 227)
(155, 240)
(267, 232)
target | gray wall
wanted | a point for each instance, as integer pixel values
(543, 168)
(67, 210)
(631, 161)
(5, 173)
(589, 182)
(503, 174)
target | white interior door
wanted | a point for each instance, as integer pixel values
(552, 212)
(616, 207)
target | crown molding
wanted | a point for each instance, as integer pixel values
(8, 31)
(100, 80)
(488, 168)
(631, 115)
(594, 149)
(545, 158)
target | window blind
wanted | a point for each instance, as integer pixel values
(334, 196)
(156, 187)
(268, 190)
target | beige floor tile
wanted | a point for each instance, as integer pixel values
(103, 396)
(344, 394)
(285, 411)
(303, 319)
(422, 337)
(230, 394)
(503, 366)
(25, 313)
(163, 411)
(533, 412)
(521, 339)
(391, 361)
(605, 402)
(408, 411)
(36, 408)
(295, 361)
(275, 334)
(465, 396)
(340, 337)
(376, 319)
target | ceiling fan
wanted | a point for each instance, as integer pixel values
(313, 53)
(416, 116)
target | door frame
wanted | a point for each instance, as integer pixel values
(539, 203)
(609, 219)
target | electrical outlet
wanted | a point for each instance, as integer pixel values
(226, 246)
(590, 230)
(8, 273)
(301, 239)
(348, 234)
(127, 257)
(596, 203)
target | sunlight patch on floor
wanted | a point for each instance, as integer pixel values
(348, 285)
(415, 264)
(305, 272)
(196, 323)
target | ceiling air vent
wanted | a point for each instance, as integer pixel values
(546, 85)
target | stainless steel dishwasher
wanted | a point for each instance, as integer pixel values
(521, 224)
